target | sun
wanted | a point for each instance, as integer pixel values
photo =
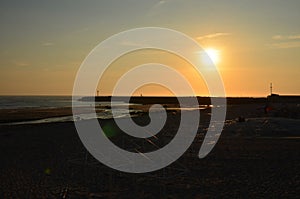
(213, 55)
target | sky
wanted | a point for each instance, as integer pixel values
(43, 43)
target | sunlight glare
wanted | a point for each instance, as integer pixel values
(213, 54)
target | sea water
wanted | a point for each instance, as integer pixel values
(46, 102)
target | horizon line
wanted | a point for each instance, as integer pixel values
(58, 95)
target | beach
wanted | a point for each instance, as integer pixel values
(255, 157)
(161, 99)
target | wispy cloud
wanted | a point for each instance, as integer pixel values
(48, 44)
(157, 6)
(285, 45)
(161, 2)
(20, 63)
(286, 41)
(213, 35)
(277, 37)
(286, 37)
(294, 37)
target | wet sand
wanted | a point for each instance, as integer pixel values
(257, 158)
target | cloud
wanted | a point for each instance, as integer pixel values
(288, 37)
(48, 44)
(161, 2)
(21, 63)
(213, 35)
(277, 37)
(157, 7)
(285, 45)
(294, 37)
(285, 41)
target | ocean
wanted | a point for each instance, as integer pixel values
(29, 103)
(17, 102)
(44, 102)
(49, 102)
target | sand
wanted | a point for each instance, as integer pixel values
(257, 158)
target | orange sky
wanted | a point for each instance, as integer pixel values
(44, 44)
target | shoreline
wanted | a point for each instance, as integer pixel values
(32, 114)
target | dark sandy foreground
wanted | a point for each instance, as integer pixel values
(259, 158)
